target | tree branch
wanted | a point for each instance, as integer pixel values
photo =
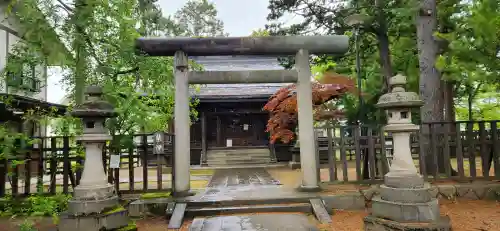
(65, 6)
(131, 70)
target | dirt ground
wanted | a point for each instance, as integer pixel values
(466, 215)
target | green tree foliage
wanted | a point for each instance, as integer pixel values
(198, 18)
(468, 53)
(472, 60)
(260, 33)
(462, 36)
(101, 37)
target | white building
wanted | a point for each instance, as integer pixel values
(27, 88)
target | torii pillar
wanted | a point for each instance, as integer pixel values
(300, 46)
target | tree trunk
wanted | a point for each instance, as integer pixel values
(80, 19)
(383, 44)
(385, 63)
(430, 78)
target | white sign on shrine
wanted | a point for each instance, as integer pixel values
(114, 161)
(158, 143)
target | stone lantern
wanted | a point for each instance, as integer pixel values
(404, 201)
(398, 104)
(95, 205)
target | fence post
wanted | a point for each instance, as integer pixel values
(66, 164)
(495, 148)
(318, 165)
(357, 140)
(3, 176)
(371, 155)
(40, 166)
(145, 162)
(471, 149)
(459, 149)
(434, 150)
(131, 178)
(79, 162)
(27, 167)
(343, 156)
(331, 154)
(484, 150)
(446, 149)
(53, 164)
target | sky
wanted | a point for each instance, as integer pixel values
(240, 18)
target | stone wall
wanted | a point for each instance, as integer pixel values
(362, 199)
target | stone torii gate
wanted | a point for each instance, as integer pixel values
(300, 46)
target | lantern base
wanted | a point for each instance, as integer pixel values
(373, 223)
(403, 180)
(83, 207)
(406, 211)
(111, 220)
(411, 195)
(93, 192)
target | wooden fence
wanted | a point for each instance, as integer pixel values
(463, 150)
(54, 165)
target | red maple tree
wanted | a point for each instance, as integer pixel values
(282, 105)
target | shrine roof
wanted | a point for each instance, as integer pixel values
(237, 63)
(236, 90)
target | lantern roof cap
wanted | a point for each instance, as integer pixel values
(94, 106)
(399, 97)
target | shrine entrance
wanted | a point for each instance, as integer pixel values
(236, 130)
(300, 46)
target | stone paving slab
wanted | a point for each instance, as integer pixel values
(240, 177)
(258, 222)
(249, 193)
(245, 184)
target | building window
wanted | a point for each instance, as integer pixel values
(23, 77)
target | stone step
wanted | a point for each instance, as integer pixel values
(238, 163)
(225, 161)
(299, 199)
(250, 156)
(177, 218)
(239, 158)
(237, 154)
(217, 154)
(210, 211)
(237, 151)
(164, 206)
(320, 211)
(272, 222)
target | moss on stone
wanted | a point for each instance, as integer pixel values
(129, 227)
(155, 195)
(115, 209)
